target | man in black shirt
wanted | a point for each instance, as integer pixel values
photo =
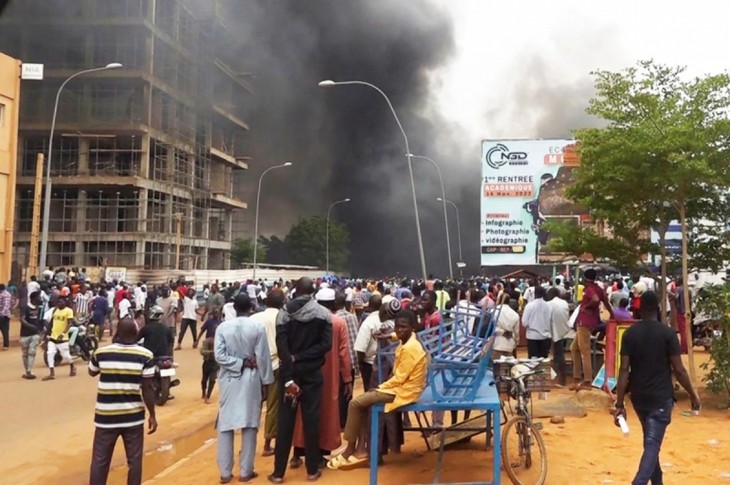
(649, 353)
(31, 328)
(157, 336)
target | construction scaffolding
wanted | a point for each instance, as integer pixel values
(144, 157)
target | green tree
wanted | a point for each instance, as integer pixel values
(306, 243)
(662, 151)
(242, 252)
(276, 250)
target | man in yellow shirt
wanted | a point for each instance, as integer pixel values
(405, 387)
(62, 318)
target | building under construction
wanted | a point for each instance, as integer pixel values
(144, 156)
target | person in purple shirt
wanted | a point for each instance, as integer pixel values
(99, 309)
(622, 313)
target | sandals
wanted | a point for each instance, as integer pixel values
(295, 463)
(315, 477)
(274, 479)
(248, 478)
(341, 463)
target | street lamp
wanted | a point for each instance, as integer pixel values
(460, 263)
(256, 225)
(47, 199)
(446, 217)
(328, 84)
(327, 237)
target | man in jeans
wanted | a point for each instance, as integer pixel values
(589, 317)
(31, 328)
(649, 354)
(125, 388)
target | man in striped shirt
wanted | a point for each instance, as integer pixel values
(125, 387)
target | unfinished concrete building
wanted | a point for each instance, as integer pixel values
(143, 156)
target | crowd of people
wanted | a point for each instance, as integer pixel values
(300, 346)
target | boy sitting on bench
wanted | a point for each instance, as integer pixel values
(405, 387)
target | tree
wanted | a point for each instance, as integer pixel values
(242, 252)
(663, 151)
(276, 250)
(306, 243)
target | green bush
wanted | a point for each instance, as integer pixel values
(714, 303)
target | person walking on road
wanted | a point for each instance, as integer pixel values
(242, 351)
(191, 312)
(126, 373)
(6, 309)
(274, 303)
(31, 328)
(650, 353)
(61, 320)
(303, 338)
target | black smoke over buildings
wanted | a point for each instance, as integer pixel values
(343, 140)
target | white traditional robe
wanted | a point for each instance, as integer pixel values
(240, 389)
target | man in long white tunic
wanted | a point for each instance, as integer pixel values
(242, 351)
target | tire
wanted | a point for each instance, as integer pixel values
(523, 466)
(163, 394)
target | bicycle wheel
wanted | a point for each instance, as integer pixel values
(523, 453)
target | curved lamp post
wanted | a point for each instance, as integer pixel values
(446, 217)
(458, 226)
(327, 237)
(256, 224)
(47, 198)
(328, 84)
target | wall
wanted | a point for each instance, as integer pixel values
(9, 101)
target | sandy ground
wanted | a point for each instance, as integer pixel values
(47, 430)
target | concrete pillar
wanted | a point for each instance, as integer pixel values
(144, 160)
(83, 160)
(80, 227)
(141, 229)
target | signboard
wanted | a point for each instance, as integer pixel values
(32, 72)
(523, 183)
(115, 273)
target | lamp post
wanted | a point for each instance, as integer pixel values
(329, 83)
(256, 224)
(446, 217)
(458, 224)
(47, 199)
(327, 237)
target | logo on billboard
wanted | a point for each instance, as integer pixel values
(499, 155)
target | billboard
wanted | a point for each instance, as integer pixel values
(523, 184)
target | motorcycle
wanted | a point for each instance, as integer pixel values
(85, 344)
(164, 379)
(704, 331)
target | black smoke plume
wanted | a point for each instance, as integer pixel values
(343, 140)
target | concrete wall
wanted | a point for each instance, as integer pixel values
(9, 108)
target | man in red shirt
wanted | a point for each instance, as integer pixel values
(589, 317)
(431, 316)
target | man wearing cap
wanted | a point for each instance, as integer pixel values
(589, 317)
(337, 372)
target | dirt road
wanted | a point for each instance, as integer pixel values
(47, 430)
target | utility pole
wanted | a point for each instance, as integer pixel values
(178, 216)
(36, 224)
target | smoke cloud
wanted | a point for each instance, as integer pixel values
(343, 140)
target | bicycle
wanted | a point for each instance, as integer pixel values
(524, 456)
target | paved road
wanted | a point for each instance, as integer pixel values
(46, 428)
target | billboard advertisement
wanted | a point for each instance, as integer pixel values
(523, 184)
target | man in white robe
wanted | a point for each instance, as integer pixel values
(242, 351)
